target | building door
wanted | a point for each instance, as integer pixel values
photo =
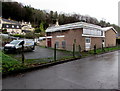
(87, 43)
(49, 42)
(103, 42)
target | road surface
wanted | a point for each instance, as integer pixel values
(96, 72)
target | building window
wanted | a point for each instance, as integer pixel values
(17, 26)
(87, 40)
(12, 26)
(101, 33)
(95, 32)
(7, 26)
(63, 44)
(57, 44)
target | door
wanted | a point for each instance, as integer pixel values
(87, 43)
(103, 42)
(49, 42)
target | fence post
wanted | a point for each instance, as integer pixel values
(55, 52)
(80, 50)
(73, 50)
(95, 49)
(108, 47)
(23, 58)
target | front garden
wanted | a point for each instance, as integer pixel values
(11, 64)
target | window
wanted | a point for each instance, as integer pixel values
(12, 26)
(87, 40)
(92, 32)
(84, 31)
(101, 33)
(95, 32)
(63, 44)
(57, 44)
(7, 26)
(87, 31)
(17, 26)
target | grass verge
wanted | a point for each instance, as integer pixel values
(11, 63)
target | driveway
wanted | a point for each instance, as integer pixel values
(41, 52)
(96, 72)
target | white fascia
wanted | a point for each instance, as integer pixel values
(60, 36)
(49, 37)
(84, 35)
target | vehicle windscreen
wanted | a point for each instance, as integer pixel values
(14, 42)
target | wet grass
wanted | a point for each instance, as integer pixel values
(10, 64)
(107, 49)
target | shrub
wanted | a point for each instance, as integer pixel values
(18, 35)
(29, 35)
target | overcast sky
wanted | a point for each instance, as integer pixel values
(100, 9)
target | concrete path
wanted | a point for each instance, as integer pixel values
(98, 72)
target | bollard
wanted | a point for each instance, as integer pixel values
(73, 50)
(55, 52)
(95, 49)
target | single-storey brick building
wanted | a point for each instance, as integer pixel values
(84, 34)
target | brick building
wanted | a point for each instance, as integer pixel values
(84, 34)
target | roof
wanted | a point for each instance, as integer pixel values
(78, 25)
(108, 28)
(72, 26)
(11, 21)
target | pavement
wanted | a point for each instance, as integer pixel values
(96, 72)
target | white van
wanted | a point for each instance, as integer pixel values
(16, 45)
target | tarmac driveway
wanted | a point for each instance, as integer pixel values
(96, 72)
(41, 52)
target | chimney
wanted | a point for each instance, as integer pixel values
(57, 23)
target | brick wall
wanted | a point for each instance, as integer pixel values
(97, 41)
(110, 39)
(42, 43)
(76, 34)
(70, 36)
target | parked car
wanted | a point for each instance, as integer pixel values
(16, 45)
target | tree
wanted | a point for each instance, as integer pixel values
(42, 27)
(41, 19)
(37, 30)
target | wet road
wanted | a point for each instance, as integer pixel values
(98, 72)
